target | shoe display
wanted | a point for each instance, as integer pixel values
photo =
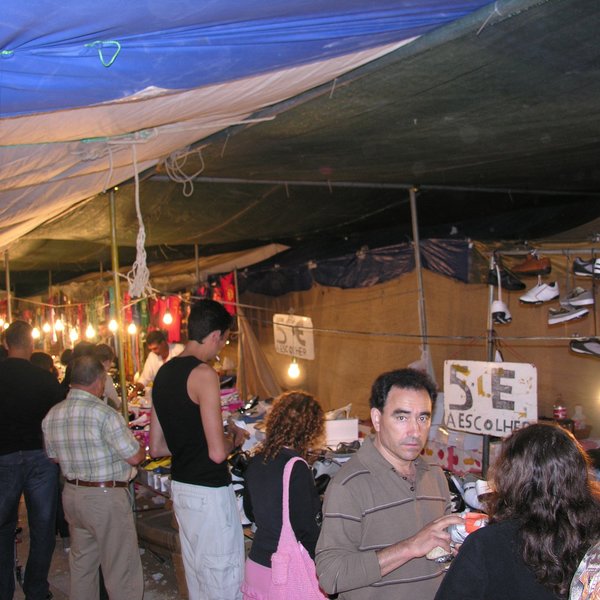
(533, 265)
(500, 313)
(542, 292)
(565, 313)
(508, 281)
(589, 346)
(578, 297)
(586, 268)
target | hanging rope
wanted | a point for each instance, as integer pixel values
(174, 164)
(139, 275)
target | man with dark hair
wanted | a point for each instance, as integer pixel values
(385, 508)
(159, 352)
(96, 452)
(26, 394)
(186, 423)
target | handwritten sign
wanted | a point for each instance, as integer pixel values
(294, 336)
(489, 397)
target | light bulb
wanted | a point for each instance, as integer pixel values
(131, 329)
(58, 325)
(35, 333)
(46, 327)
(5, 326)
(73, 335)
(90, 332)
(294, 369)
(113, 325)
(167, 318)
(1, 322)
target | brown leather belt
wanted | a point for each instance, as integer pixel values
(100, 484)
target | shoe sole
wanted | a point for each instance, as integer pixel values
(582, 274)
(568, 318)
(576, 302)
(537, 301)
(583, 351)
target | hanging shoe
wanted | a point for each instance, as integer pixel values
(578, 297)
(589, 346)
(542, 292)
(508, 280)
(500, 313)
(583, 268)
(533, 265)
(565, 313)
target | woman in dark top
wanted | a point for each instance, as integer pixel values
(544, 515)
(295, 424)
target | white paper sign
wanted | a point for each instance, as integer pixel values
(489, 397)
(294, 336)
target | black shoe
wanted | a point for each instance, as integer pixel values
(589, 346)
(508, 280)
(583, 268)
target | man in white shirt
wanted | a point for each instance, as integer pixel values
(160, 352)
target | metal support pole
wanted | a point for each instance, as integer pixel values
(197, 262)
(491, 351)
(118, 304)
(8, 292)
(241, 381)
(417, 248)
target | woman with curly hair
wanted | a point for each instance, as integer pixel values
(294, 426)
(544, 514)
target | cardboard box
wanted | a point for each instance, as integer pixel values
(341, 430)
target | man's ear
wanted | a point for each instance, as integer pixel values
(376, 418)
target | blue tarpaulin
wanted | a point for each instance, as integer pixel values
(296, 270)
(56, 55)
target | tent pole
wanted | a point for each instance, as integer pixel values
(417, 248)
(197, 261)
(240, 381)
(118, 305)
(8, 294)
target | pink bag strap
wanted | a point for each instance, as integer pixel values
(285, 509)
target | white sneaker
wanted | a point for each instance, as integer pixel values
(500, 313)
(565, 313)
(542, 292)
(577, 297)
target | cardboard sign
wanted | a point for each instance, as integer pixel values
(294, 336)
(489, 397)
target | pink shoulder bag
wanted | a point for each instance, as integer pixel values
(293, 572)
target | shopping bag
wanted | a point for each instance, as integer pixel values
(293, 572)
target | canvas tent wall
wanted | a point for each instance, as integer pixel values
(362, 332)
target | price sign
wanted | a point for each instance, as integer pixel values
(489, 397)
(294, 336)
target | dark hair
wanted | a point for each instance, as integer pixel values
(205, 317)
(104, 352)
(66, 356)
(18, 335)
(296, 421)
(156, 337)
(542, 480)
(85, 370)
(83, 348)
(42, 360)
(404, 379)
